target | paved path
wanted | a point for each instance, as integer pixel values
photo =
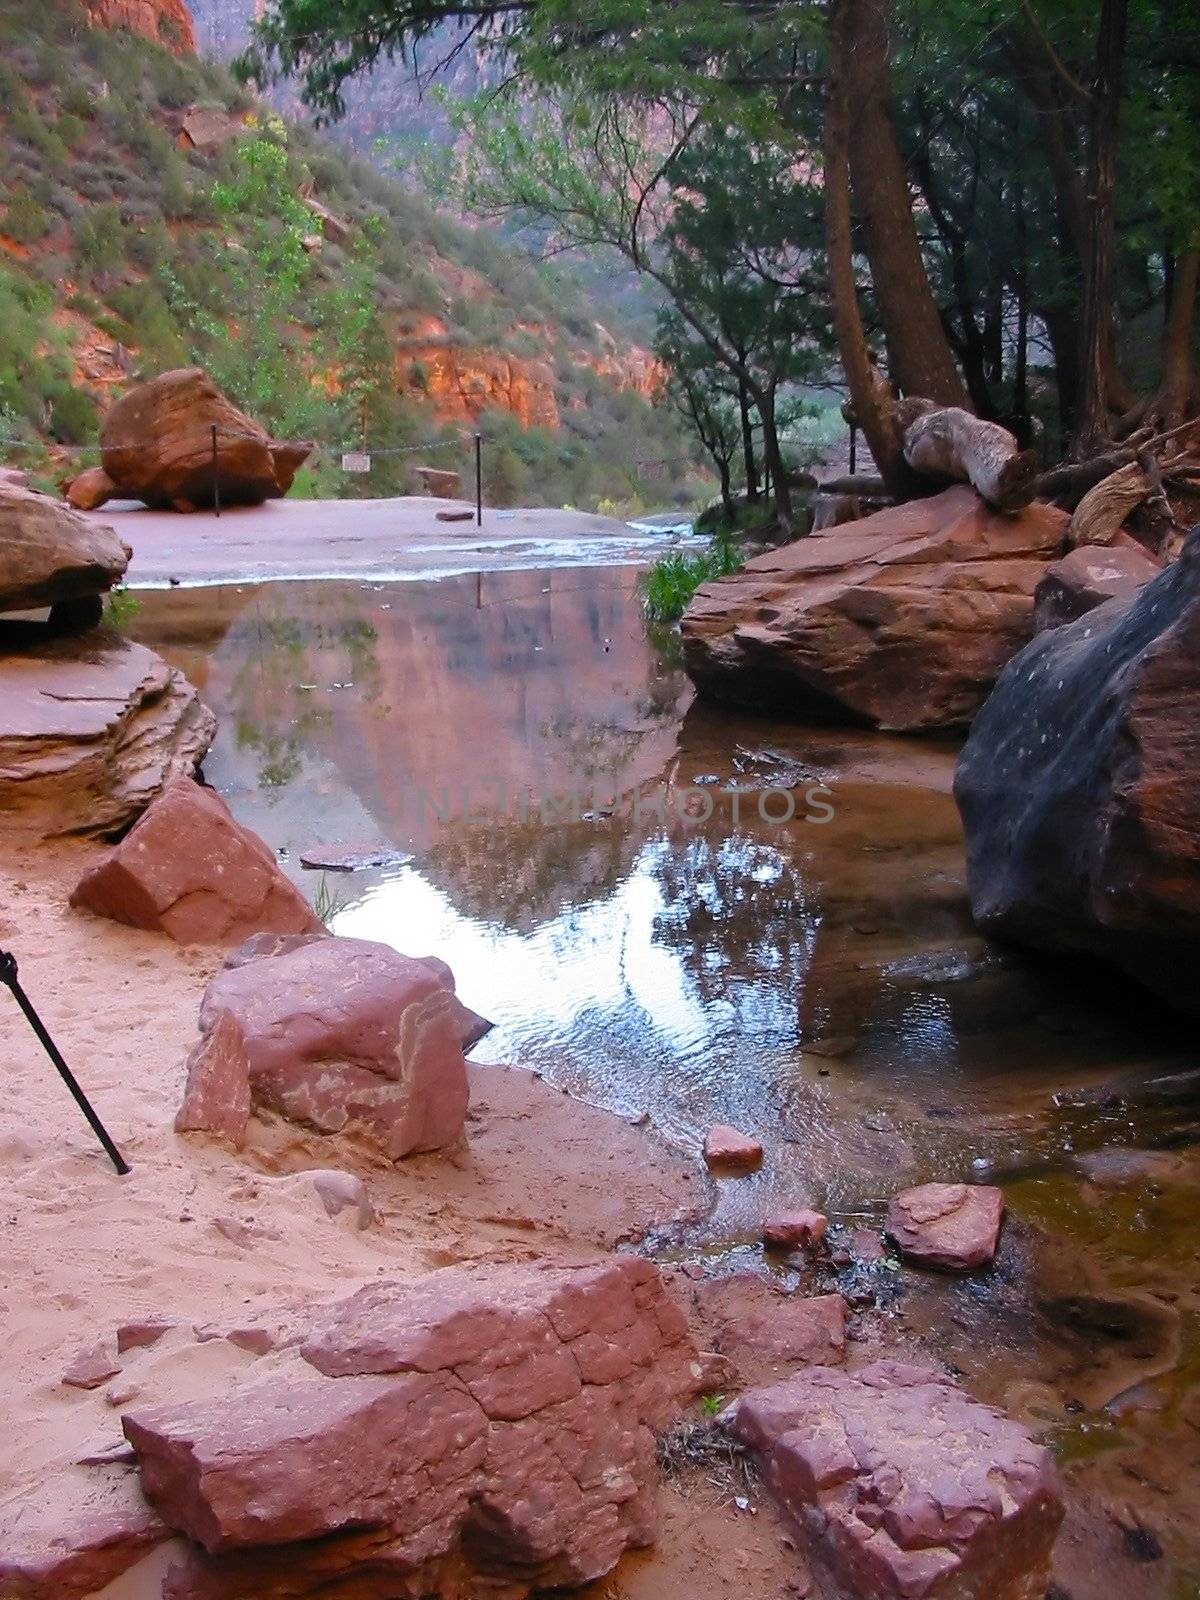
(384, 539)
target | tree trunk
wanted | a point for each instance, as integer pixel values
(948, 442)
(1098, 261)
(751, 465)
(1176, 382)
(773, 459)
(726, 491)
(921, 359)
(870, 402)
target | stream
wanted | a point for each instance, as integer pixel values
(700, 917)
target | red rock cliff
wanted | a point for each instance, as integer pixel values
(167, 22)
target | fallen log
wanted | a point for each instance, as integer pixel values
(1100, 515)
(948, 442)
(856, 483)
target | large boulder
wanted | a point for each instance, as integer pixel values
(488, 1429)
(1088, 576)
(1080, 788)
(189, 870)
(902, 620)
(157, 446)
(90, 731)
(335, 1034)
(902, 1487)
(50, 555)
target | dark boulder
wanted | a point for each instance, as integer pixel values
(1079, 788)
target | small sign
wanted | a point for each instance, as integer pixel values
(356, 461)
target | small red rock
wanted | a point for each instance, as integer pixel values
(189, 870)
(867, 1246)
(140, 1335)
(217, 1097)
(91, 1367)
(736, 1152)
(790, 1230)
(955, 1226)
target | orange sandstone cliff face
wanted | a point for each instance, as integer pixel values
(463, 382)
(168, 22)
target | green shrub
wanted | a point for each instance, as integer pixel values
(26, 220)
(671, 582)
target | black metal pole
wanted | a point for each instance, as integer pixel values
(479, 480)
(216, 472)
(853, 448)
(8, 976)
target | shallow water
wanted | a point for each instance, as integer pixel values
(607, 868)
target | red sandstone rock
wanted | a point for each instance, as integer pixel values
(189, 870)
(497, 1424)
(751, 1315)
(90, 731)
(866, 1246)
(789, 1230)
(216, 1097)
(156, 445)
(442, 485)
(1088, 576)
(339, 1033)
(142, 1333)
(72, 1544)
(950, 1225)
(91, 1367)
(903, 1487)
(50, 554)
(90, 489)
(726, 1148)
(902, 620)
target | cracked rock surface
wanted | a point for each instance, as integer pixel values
(488, 1430)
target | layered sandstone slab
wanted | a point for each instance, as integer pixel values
(1080, 788)
(49, 554)
(477, 1431)
(187, 869)
(335, 1034)
(903, 1487)
(955, 1226)
(90, 731)
(902, 620)
(157, 446)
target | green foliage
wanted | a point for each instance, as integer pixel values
(671, 582)
(121, 606)
(26, 220)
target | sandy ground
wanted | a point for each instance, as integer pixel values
(201, 1236)
(354, 538)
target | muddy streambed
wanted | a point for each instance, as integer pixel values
(695, 917)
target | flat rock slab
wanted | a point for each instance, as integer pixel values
(903, 1487)
(91, 729)
(902, 620)
(751, 1318)
(49, 553)
(187, 869)
(84, 1533)
(499, 1419)
(1079, 788)
(955, 1226)
(332, 1033)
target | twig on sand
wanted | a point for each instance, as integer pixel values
(705, 1449)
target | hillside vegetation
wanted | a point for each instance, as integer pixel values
(328, 300)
